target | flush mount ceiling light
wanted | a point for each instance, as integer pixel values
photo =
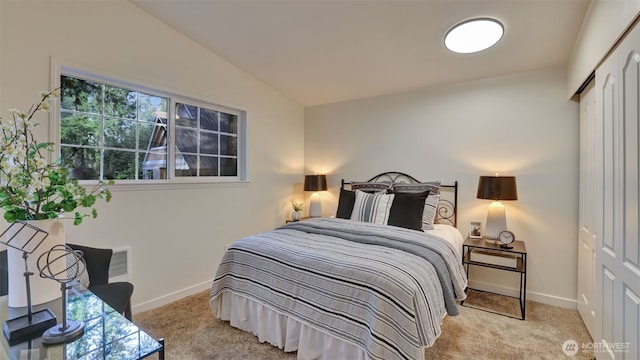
(473, 35)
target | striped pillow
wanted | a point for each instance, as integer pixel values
(429, 214)
(372, 207)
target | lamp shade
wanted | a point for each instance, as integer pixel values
(315, 183)
(497, 188)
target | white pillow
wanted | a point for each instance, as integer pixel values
(430, 208)
(83, 277)
(372, 207)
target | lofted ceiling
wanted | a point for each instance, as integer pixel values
(323, 51)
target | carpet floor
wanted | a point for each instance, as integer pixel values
(191, 332)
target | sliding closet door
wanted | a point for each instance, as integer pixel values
(586, 230)
(628, 264)
(606, 99)
(617, 248)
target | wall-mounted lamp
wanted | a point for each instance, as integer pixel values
(315, 183)
(496, 188)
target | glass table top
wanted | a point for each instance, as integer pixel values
(107, 334)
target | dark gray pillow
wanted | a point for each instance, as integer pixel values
(345, 204)
(407, 209)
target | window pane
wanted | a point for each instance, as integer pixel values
(80, 130)
(151, 136)
(151, 107)
(208, 166)
(208, 143)
(228, 123)
(119, 165)
(119, 133)
(228, 167)
(187, 140)
(120, 102)
(154, 165)
(205, 141)
(83, 163)
(186, 115)
(208, 119)
(80, 95)
(228, 145)
(186, 165)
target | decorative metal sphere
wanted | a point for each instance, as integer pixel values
(73, 264)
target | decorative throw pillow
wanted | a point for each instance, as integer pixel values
(372, 207)
(431, 186)
(83, 278)
(431, 203)
(407, 210)
(371, 186)
(345, 204)
(429, 213)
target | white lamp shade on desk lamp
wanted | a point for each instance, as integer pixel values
(496, 188)
(315, 183)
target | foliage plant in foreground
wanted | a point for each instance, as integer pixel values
(32, 188)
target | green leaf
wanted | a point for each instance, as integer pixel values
(78, 219)
(88, 201)
(69, 205)
(44, 145)
(10, 216)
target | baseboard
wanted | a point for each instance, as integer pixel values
(165, 299)
(532, 296)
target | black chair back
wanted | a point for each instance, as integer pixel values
(98, 261)
(4, 274)
(117, 294)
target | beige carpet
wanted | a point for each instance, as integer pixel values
(192, 333)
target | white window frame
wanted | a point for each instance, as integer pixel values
(172, 182)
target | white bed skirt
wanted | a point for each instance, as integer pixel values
(282, 331)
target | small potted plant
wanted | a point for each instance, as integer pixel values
(297, 210)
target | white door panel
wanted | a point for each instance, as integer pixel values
(586, 239)
(617, 260)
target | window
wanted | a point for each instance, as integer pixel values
(119, 132)
(206, 142)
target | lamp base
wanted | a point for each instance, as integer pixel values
(496, 220)
(59, 334)
(315, 209)
(21, 329)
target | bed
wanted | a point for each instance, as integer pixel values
(373, 282)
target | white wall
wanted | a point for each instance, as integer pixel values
(605, 23)
(177, 237)
(520, 125)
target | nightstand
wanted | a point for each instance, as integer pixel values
(302, 218)
(479, 252)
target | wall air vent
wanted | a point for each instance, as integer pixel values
(119, 267)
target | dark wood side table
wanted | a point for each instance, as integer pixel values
(302, 218)
(519, 251)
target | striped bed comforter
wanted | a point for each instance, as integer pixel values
(382, 288)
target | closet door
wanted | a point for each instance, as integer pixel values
(586, 230)
(617, 244)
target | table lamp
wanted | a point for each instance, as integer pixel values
(496, 188)
(315, 183)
